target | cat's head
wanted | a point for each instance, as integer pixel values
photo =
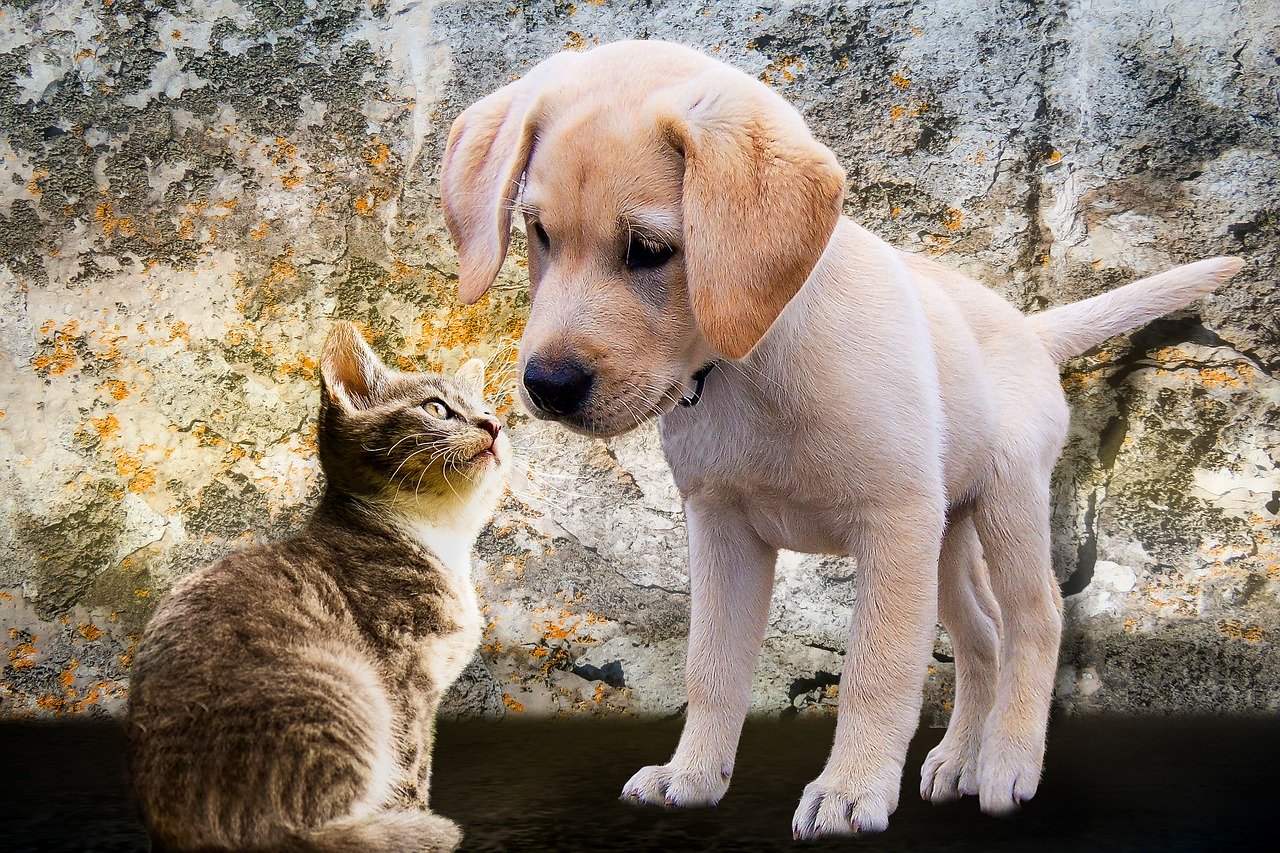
(417, 443)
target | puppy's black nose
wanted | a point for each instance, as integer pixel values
(557, 387)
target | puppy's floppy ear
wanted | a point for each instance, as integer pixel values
(488, 150)
(350, 372)
(761, 198)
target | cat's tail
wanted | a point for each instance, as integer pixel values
(403, 831)
(1071, 329)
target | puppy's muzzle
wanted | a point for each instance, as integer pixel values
(558, 387)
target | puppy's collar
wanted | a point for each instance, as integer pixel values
(699, 379)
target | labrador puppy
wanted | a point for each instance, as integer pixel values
(860, 400)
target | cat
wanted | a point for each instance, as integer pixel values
(284, 697)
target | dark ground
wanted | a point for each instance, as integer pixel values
(1110, 784)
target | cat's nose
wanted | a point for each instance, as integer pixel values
(491, 426)
(557, 387)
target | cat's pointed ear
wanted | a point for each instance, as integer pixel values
(471, 375)
(350, 371)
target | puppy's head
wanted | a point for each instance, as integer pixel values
(673, 206)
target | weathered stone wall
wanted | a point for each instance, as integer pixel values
(190, 193)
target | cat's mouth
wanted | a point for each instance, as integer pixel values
(487, 455)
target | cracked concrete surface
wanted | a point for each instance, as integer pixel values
(191, 192)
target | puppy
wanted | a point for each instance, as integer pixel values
(861, 401)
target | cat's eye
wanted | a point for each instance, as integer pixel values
(540, 234)
(644, 253)
(437, 409)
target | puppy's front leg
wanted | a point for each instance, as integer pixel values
(731, 580)
(880, 688)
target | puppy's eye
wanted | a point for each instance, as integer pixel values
(540, 234)
(645, 254)
(437, 410)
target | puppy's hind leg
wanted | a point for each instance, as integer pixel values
(731, 581)
(969, 612)
(1012, 520)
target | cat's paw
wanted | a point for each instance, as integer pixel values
(676, 787)
(1008, 776)
(829, 808)
(950, 771)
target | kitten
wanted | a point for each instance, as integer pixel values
(284, 698)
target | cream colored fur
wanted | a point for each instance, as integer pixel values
(870, 402)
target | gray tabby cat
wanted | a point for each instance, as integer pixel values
(284, 698)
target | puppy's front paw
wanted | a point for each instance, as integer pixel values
(676, 787)
(829, 808)
(950, 771)
(1008, 776)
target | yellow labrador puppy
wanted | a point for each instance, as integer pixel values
(865, 401)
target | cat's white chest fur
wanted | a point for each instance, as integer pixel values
(450, 653)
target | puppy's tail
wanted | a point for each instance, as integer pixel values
(1071, 329)
(385, 832)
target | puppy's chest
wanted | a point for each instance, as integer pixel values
(733, 447)
(795, 495)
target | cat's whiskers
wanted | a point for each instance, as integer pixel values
(406, 438)
(543, 488)
(506, 347)
(423, 449)
(500, 377)
(417, 488)
(453, 453)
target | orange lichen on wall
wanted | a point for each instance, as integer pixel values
(33, 186)
(785, 68)
(22, 655)
(106, 427)
(115, 388)
(106, 217)
(1235, 629)
(127, 465)
(60, 357)
(1212, 377)
(302, 365)
(107, 349)
(282, 268)
(142, 481)
(377, 154)
(280, 152)
(68, 675)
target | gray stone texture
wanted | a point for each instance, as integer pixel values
(191, 191)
